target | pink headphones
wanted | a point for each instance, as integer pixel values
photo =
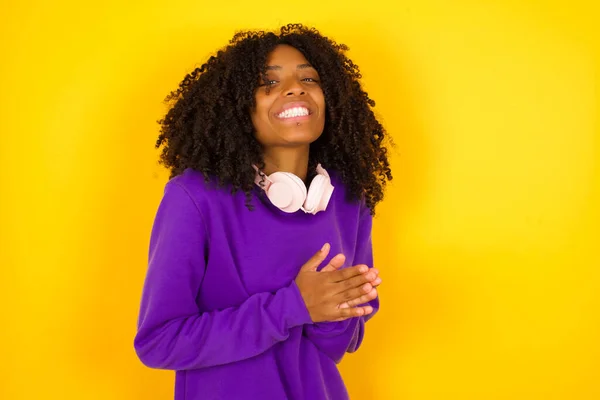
(288, 193)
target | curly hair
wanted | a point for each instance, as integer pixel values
(208, 126)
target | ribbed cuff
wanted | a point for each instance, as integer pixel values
(298, 313)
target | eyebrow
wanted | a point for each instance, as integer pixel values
(278, 67)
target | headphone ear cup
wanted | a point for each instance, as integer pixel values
(325, 197)
(319, 194)
(287, 191)
(315, 192)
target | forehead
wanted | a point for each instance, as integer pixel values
(285, 55)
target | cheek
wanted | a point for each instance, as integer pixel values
(261, 111)
(322, 108)
(320, 99)
(260, 120)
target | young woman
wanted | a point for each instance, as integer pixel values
(277, 162)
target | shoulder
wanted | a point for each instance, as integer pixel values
(207, 195)
(193, 183)
(345, 203)
(190, 180)
(343, 193)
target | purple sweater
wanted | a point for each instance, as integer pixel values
(220, 306)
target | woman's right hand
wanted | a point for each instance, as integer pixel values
(323, 292)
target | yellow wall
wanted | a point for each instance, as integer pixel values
(486, 241)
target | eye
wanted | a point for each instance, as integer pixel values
(269, 82)
(310, 80)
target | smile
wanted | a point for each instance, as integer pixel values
(294, 113)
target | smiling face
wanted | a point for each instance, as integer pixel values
(292, 112)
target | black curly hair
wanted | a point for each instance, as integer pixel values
(208, 126)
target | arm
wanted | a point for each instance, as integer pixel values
(336, 338)
(172, 332)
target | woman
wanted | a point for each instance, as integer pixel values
(276, 161)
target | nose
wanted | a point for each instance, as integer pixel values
(294, 88)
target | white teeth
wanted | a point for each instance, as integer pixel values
(294, 112)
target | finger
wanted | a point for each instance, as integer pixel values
(377, 281)
(374, 272)
(335, 263)
(317, 259)
(372, 295)
(352, 294)
(345, 313)
(347, 273)
(355, 282)
(365, 298)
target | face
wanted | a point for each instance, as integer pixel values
(292, 112)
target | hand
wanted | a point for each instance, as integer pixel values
(366, 297)
(324, 291)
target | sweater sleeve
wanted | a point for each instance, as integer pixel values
(336, 338)
(173, 333)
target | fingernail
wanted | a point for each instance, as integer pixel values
(368, 309)
(377, 281)
(363, 269)
(325, 247)
(367, 287)
(375, 270)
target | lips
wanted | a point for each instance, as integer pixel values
(294, 110)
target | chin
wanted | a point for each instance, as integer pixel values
(299, 138)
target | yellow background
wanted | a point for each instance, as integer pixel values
(486, 241)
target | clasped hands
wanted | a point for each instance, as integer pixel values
(334, 294)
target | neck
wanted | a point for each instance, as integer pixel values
(283, 159)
